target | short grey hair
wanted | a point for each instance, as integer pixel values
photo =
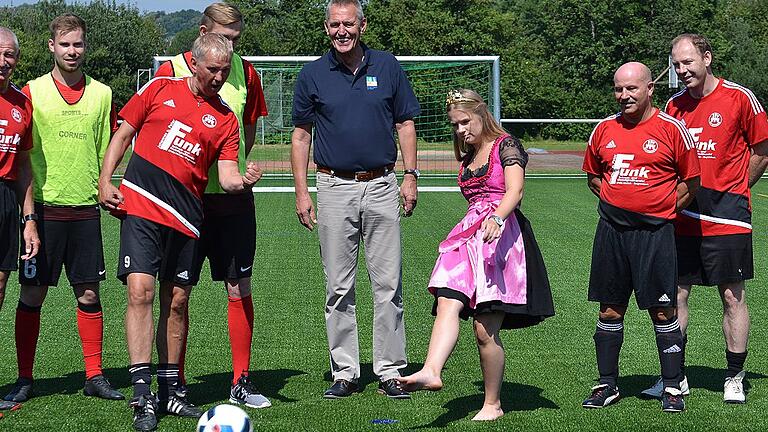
(355, 3)
(5, 31)
(211, 43)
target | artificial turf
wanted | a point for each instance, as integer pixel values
(550, 368)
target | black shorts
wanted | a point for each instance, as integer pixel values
(74, 244)
(9, 227)
(229, 243)
(714, 260)
(157, 250)
(639, 259)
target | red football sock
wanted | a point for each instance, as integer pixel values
(90, 325)
(240, 320)
(183, 354)
(27, 332)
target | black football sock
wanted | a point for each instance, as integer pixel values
(735, 363)
(669, 341)
(141, 378)
(167, 379)
(609, 335)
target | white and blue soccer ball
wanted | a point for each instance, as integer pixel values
(224, 418)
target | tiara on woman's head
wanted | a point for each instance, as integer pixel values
(455, 96)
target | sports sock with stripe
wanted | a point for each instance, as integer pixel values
(240, 320)
(609, 336)
(167, 379)
(27, 332)
(141, 378)
(735, 363)
(669, 342)
(90, 326)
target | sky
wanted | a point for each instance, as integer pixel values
(143, 5)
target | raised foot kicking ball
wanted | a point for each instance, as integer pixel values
(224, 418)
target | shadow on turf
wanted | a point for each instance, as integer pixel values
(215, 387)
(73, 382)
(514, 397)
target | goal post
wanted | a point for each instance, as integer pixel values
(431, 77)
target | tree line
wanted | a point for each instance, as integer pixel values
(557, 56)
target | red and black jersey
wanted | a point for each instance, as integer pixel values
(180, 135)
(640, 166)
(724, 125)
(15, 129)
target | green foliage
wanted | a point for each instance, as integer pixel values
(175, 22)
(120, 41)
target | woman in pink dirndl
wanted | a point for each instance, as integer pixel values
(490, 267)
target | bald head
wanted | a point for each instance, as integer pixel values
(8, 35)
(633, 88)
(633, 70)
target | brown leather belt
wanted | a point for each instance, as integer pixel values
(360, 176)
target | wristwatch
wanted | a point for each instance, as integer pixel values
(499, 221)
(29, 217)
(414, 172)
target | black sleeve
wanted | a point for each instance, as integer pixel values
(511, 152)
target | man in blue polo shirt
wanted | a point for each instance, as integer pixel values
(355, 98)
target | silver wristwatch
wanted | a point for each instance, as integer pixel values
(499, 221)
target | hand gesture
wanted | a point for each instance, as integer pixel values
(252, 174)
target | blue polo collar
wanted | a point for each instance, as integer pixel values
(336, 64)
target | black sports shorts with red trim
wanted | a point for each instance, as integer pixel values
(157, 250)
(634, 259)
(714, 260)
(72, 244)
(9, 227)
(229, 243)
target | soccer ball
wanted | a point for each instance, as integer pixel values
(224, 418)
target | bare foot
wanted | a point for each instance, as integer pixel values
(488, 412)
(421, 380)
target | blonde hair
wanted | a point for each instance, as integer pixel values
(222, 14)
(470, 102)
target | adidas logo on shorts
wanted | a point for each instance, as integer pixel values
(183, 275)
(664, 298)
(673, 349)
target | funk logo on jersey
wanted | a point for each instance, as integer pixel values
(705, 149)
(8, 143)
(173, 142)
(623, 173)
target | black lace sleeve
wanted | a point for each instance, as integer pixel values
(511, 152)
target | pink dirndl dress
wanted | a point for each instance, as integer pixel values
(498, 275)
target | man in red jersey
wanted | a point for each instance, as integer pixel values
(183, 128)
(714, 233)
(71, 125)
(228, 237)
(641, 164)
(15, 169)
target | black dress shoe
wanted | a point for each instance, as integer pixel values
(341, 388)
(99, 386)
(391, 388)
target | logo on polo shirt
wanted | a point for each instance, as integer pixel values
(174, 142)
(16, 114)
(371, 82)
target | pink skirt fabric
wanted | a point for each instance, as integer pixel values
(483, 272)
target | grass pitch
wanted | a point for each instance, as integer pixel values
(550, 368)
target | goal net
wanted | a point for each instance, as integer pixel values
(431, 78)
